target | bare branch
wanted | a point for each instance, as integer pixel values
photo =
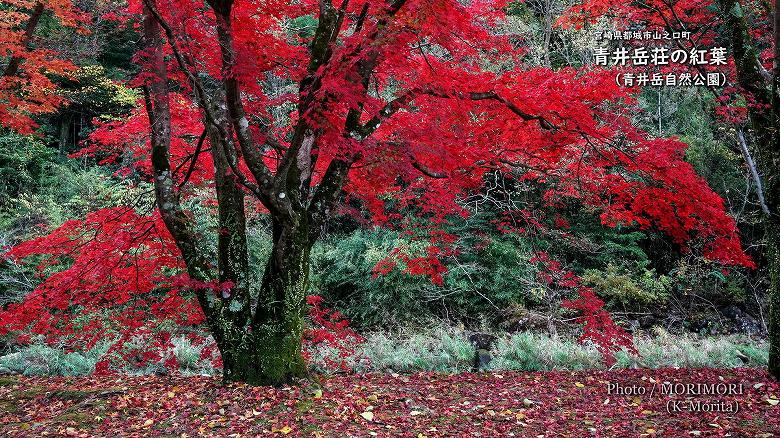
(753, 171)
(405, 99)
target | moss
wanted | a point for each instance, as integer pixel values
(272, 356)
(79, 419)
(71, 394)
(304, 406)
(30, 392)
(10, 407)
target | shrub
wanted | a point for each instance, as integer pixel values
(535, 352)
(483, 278)
(440, 349)
(628, 287)
(43, 360)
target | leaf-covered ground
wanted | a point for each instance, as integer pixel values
(419, 405)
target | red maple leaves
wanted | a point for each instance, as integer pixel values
(27, 87)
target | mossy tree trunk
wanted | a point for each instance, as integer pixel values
(268, 350)
(765, 132)
(773, 255)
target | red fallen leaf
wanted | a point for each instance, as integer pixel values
(124, 404)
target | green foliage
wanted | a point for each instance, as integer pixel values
(695, 277)
(629, 287)
(43, 360)
(189, 358)
(441, 349)
(24, 166)
(302, 27)
(447, 349)
(535, 352)
(480, 280)
(664, 350)
(93, 91)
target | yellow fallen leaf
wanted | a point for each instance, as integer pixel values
(420, 435)
(284, 430)
(579, 385)
(372, 397)
(368, 415)
(318, 393)
(148, 422)
(171, 394)
(773, 401)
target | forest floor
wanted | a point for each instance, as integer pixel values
(582, 403)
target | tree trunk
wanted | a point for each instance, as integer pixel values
(268, 352)
(765, 126)
(773, 261)
(773, 229)
(269, 356)
(261, 347)
(35, 16)
(65, 133)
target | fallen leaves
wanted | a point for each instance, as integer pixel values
(417, 405)
(283, 430)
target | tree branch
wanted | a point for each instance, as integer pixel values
(402, 101)
(193, 160)
(157, 104)
(13, 64)
(264, 193)
(753, 171)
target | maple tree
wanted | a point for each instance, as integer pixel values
(752, 32)
(27, 86)
(391, 104)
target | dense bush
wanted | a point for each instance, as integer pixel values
(629, 288)
(482, 280)
(43, 360)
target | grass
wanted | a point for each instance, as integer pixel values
(448, 350)
(444, 349)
